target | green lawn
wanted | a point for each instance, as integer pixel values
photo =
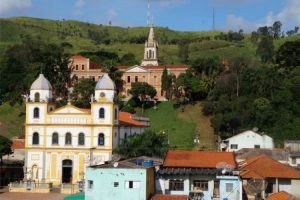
(181, 131)
(11, 120)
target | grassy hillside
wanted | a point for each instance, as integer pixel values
(11, 120)
(182, 125)
(122, 40)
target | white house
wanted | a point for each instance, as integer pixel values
(247, 139)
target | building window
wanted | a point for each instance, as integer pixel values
(37, 97)
(144, 78)
(81, 139)
(155, 79)
(55, 138)
(76, 67)
(116, 134)
(136, 79)
(294, 161)
(90, 184)
(234, 146)
(35, 138)
(132, 184)
(150, 53)
(101, 113)
(116, 184)
(101, 139)
(229, 187)
(201, 185)
(82, 67)
(116, 114)
(93, 77)
(125, 135)
(36, 113)
(68, 139)
(257, 146)
(176, 185)
(128, 79)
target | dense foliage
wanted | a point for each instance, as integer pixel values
(147, 144)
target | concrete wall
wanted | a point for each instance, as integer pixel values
(295, 188)
(104, 179)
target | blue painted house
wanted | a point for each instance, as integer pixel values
(132, 179)
(199, 175)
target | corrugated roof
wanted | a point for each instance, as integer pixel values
(169, 197)
(198, 159)
(267, 168)
(276, 154)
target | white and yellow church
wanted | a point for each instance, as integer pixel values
(61, 143)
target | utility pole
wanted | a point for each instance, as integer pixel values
(213, 26)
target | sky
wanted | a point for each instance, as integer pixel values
(182, 15)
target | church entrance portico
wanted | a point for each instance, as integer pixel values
(67, 170)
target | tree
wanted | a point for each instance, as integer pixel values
(129, 59)
(277, 29)
(5, 149)
(183, 51)
(265, 49)
(147, 144)
(288, 55)
(166, 83)
(83, 89)
(237, 66)
(142, 90)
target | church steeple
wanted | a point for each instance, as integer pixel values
(151, 50)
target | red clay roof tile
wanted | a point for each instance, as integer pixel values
(125, 119)
(267, 168)
(198, 159)
(283, 195)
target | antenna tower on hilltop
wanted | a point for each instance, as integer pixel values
(149, 17)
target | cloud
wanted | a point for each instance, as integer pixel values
(236, 23)
(8, 5)
(290, 13)
(79, 3)
(112, 13)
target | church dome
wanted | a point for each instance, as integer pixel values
(105, 83)
(41, 83)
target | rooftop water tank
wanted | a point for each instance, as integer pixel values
(148, 163)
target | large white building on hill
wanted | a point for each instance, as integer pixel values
(61, 142)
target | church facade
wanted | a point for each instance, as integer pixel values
(149, 70)
(61, 143)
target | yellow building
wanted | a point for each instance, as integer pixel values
(61, 143)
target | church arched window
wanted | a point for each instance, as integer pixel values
(101, 113)
(35, 138)
(68, 139)
(150, 53)
(36, 113)
(55, 138)
(101, 139)
(81, 139)
(37, 97)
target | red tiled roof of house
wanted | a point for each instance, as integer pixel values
(198, 159)
(78, 57)
(283, 195)
(169, 197)
(266, 168)
(18, 144)
(125, 119)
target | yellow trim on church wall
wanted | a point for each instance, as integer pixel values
(53, 165)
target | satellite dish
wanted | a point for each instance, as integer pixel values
(116, 164)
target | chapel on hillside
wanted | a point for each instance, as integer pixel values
(61, 142)
(149, 70)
